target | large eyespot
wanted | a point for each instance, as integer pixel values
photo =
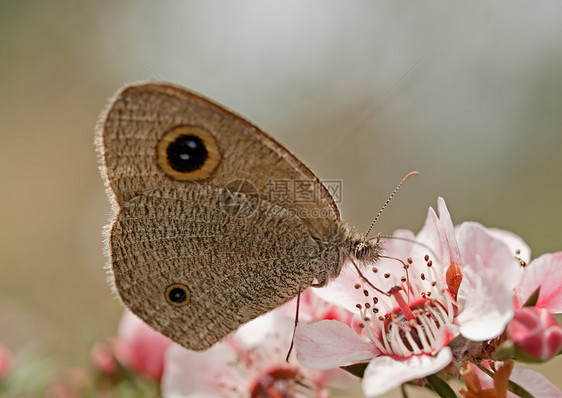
(188, 153)
(177, 295)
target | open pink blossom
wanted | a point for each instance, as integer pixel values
(147, 347)
(249, 363)
(407, 315)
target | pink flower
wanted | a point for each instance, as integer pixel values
(544, 272)
(249, 363)
(5, 361)
(448, 286)
(534, 330)
(312, 309)
(147, 347)
(106, 355)
(536, 333)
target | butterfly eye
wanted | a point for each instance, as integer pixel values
(177, 295)
(188, 153)
(361, 251)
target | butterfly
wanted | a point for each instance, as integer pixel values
(200, 241)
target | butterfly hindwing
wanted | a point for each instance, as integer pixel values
(234, 268)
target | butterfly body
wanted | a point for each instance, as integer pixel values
(197, 243)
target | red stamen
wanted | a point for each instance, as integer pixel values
(404, 307)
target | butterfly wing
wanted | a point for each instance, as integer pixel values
(169, 157)
(225, 269)
(141, 116)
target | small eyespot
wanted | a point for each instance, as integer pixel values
(188, 153)
(177, 295)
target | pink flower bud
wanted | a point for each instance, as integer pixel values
(536, 333)
(106, 354)
(148, 347)
(5, 360)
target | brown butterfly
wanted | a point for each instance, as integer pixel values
(197, 243)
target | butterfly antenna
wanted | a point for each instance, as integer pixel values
(413, 173)
(429, 249)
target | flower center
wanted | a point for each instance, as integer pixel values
(416, 328)
(277, 383)
(415, 316)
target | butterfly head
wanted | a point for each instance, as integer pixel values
(367, 250)
(359, 246)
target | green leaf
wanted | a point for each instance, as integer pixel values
(440, 387)
(533, 298)
(357, 369)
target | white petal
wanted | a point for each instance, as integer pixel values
(535, 383)
(129, 325)
(260, 331)
(402, 246)
(191, 374)
(341, 291)
(385, 373)
(448, 230)
(330, 344)
(430, 235)
(485, 304)
(475, 241)
(514, 242)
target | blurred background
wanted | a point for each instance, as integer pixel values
(468, 94)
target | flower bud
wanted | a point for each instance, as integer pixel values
(107, 354)
(148, 347)
(537, 335)
(5, 360)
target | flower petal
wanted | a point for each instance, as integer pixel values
(261, 329)
(330, 344)
(476, 241)
(385, 373)
(190, 374)
(535, 383)
(431, 236)
(546, 272)
(485, 305)
(147, 346)
(340, 291)
(448, 231)
(515, 243)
